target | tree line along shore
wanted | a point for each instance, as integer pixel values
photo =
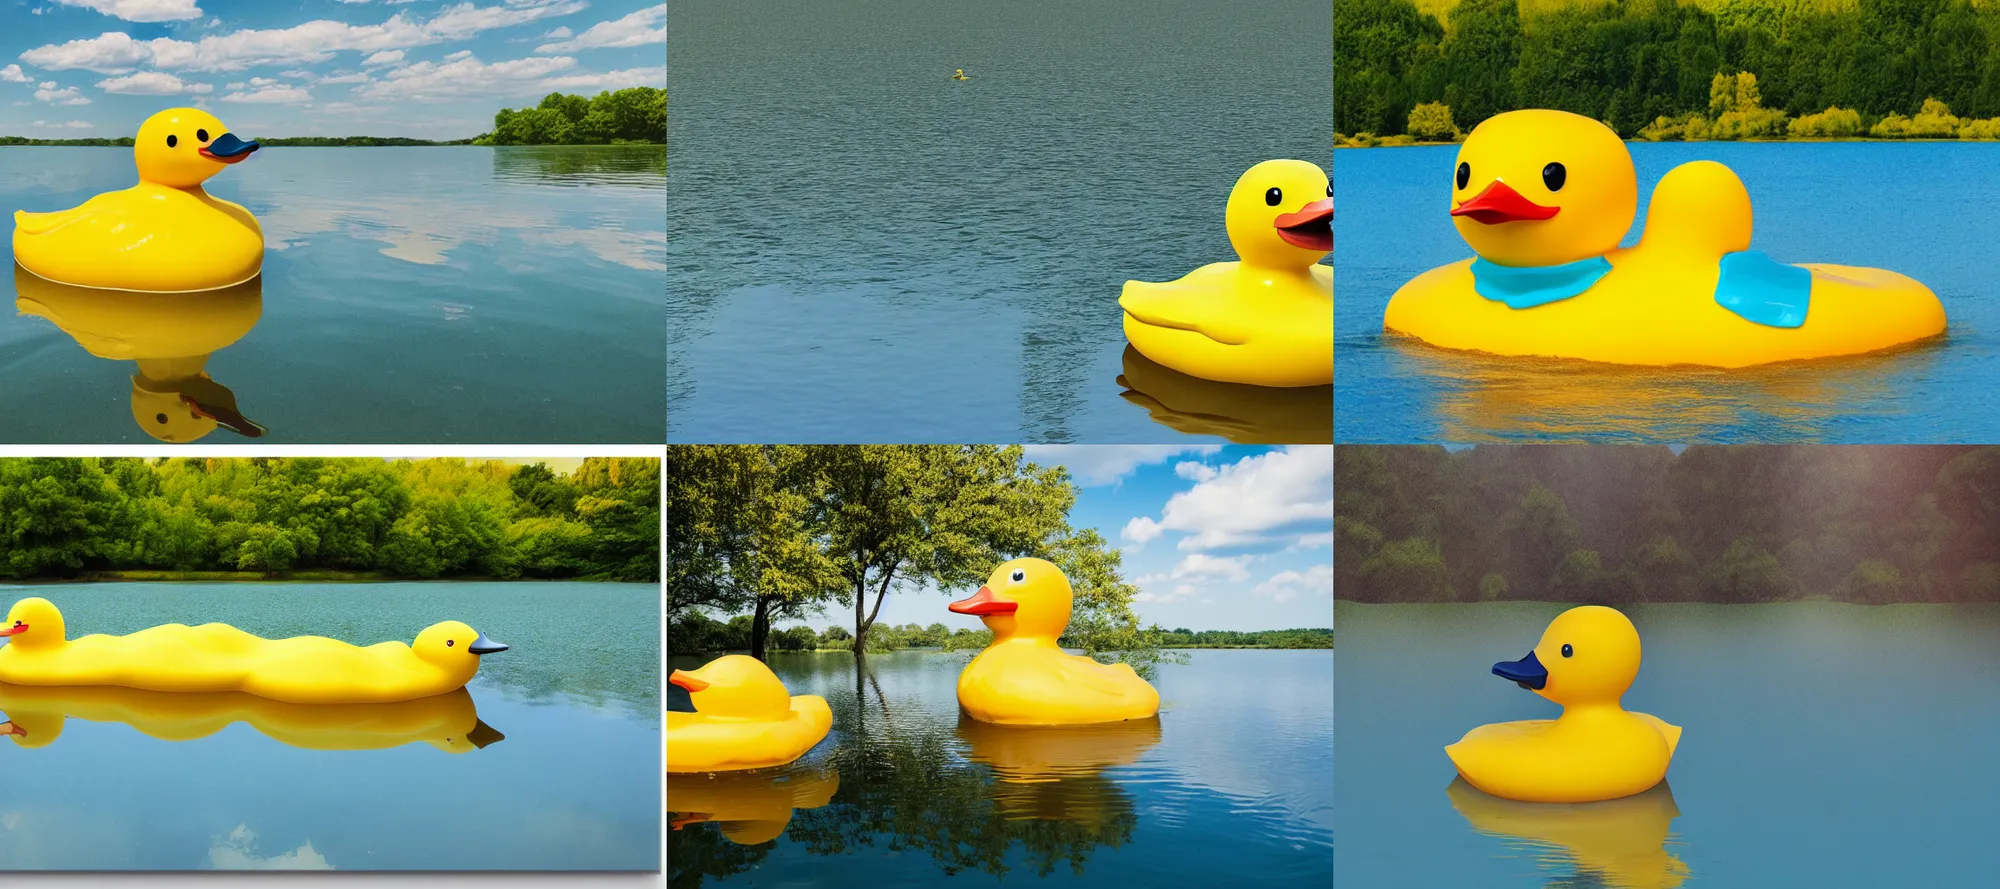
(1663, 70)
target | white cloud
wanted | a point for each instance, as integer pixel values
(638, 29)
(558, 34)
(1094, 465)
(1250, 502)
(350, 77)
(1288, 585)
(151, 83)
(308, 43)
(280, 95)
(141, 10)
(461, 54)
(385, 57)
(63, 125)
(434, 81)
(68, 95)
(610, 80)
(1318, 540)
(12, 74)
(1194, 471)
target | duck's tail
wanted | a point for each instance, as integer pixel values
(1669, 731)
(39, 223)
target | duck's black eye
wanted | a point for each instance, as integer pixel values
(1329, 189)
(450, 642)
(1567, 651)
(1464, 173)
(172, 140)
(17, 623)
(201, 135)
(160, 419)
(1554, 176)
(1273, 196)
(1020, 575)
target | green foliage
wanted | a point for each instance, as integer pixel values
(1833, 123)
(1640, 524)
(637, 114)
(1432, 122)
(71, 517)
(1649, 67)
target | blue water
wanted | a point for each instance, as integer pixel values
(1231, 784)
(868, 251)
(573, 785)
(409, 296)
(1908, 207)
(1824, 745)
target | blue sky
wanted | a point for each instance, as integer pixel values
(422, 68)
(1217, 538)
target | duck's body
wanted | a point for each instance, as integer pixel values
(448, 721)
(959, 74)
(1265, 319)
(163, 235)
(221, 658)
(1024, 677)
(745, 719)
(1596, 750)
(1551, 281)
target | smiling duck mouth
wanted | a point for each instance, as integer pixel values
(1310, 228)
(1498, 203)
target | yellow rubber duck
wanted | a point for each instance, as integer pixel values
(219, 658)
(1622, 842)
(1596, 750)
(745, 719)
(749, 808)
(1545, 197)
(164, 235)
(959, 74)
(171, 337)
(1024, 677)
(1266, 319)
(448, 721)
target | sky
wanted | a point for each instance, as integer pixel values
(432, 69)
(1215, 537)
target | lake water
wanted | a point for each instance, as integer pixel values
(1899, 206)
(1824, 745)
(568, 777)
(868, 251)
(409, 295)
(1231, 781)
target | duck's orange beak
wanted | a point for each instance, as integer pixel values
(982, 603)
(17, 628)
(687, 681)
(1310, 228)
(13, 729)
(1499, 203)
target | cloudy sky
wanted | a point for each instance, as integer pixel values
(1217, 538)
(423, 68)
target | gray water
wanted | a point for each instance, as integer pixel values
(1231, 782)
(868, 251)
(572, 784)
(409, 295)
(1824, 745)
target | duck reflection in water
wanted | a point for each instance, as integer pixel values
(1056, 773)
(1620, 843)
(1239, 413)
(169, 335)
(748, 807)
(448, 722)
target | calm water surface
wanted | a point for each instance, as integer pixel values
(865, 250)
(409, 295)
(1823, 745)
(567, 777)
(1899, 206)
(1231, 781)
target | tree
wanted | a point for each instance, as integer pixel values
(1432, 122)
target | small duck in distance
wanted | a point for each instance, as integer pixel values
(959, 74)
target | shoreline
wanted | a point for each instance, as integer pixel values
(1340, 147)
(278, 577)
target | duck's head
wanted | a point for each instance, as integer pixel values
(735, 686)
(1588, 655)
(34, 623)
(1537, 188)
(454, 647)
(182, 147)
(1024, 597)
(1281, 214)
